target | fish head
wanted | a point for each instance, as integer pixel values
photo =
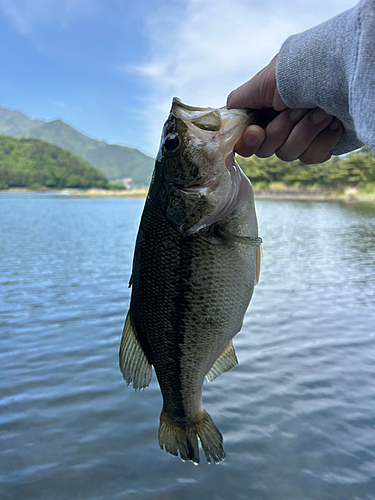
(200, 178)
(187, 148)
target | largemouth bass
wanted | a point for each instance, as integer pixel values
(195, 265)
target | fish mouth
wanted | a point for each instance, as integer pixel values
(213, 119)
(178, 102)
(223, 127)
(206, 119)
(217, 189)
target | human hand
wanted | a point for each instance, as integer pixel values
(304, 134)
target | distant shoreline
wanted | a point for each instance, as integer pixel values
(290, 193)
(85, 193)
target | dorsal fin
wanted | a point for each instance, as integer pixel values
(134, 364)
(224, 362)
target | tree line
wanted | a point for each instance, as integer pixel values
(353, 169)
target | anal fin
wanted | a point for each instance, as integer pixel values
(134, 364)
(224, 362)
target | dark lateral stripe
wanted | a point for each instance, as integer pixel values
(182, 307)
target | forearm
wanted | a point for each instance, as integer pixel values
(332, 66)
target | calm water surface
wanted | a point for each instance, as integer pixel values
(297, 414)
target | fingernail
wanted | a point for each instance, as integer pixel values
(296, 114)
(318, 116)
(252, 139)
(335, 124)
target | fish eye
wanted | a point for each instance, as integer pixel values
(171, 143)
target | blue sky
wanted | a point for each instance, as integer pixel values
(111, 67)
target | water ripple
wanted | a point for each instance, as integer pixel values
(297, 413)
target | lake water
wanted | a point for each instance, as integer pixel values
(297, 414)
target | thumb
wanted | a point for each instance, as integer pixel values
(259, 92)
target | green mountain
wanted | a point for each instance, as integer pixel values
(114, 161)
(12, 122)
(33, 164)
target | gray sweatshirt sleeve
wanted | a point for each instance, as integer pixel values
(332, 66)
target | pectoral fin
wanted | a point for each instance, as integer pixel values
(252, 241)
(224, 362)
(245, 240)
(258, 262)
(134, 364)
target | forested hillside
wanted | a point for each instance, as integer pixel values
(33, 164)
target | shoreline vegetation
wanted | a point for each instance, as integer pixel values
(31, 165)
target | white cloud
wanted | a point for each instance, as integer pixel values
(203, 49)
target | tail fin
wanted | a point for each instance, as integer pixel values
(176, 439)
(211, 439)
